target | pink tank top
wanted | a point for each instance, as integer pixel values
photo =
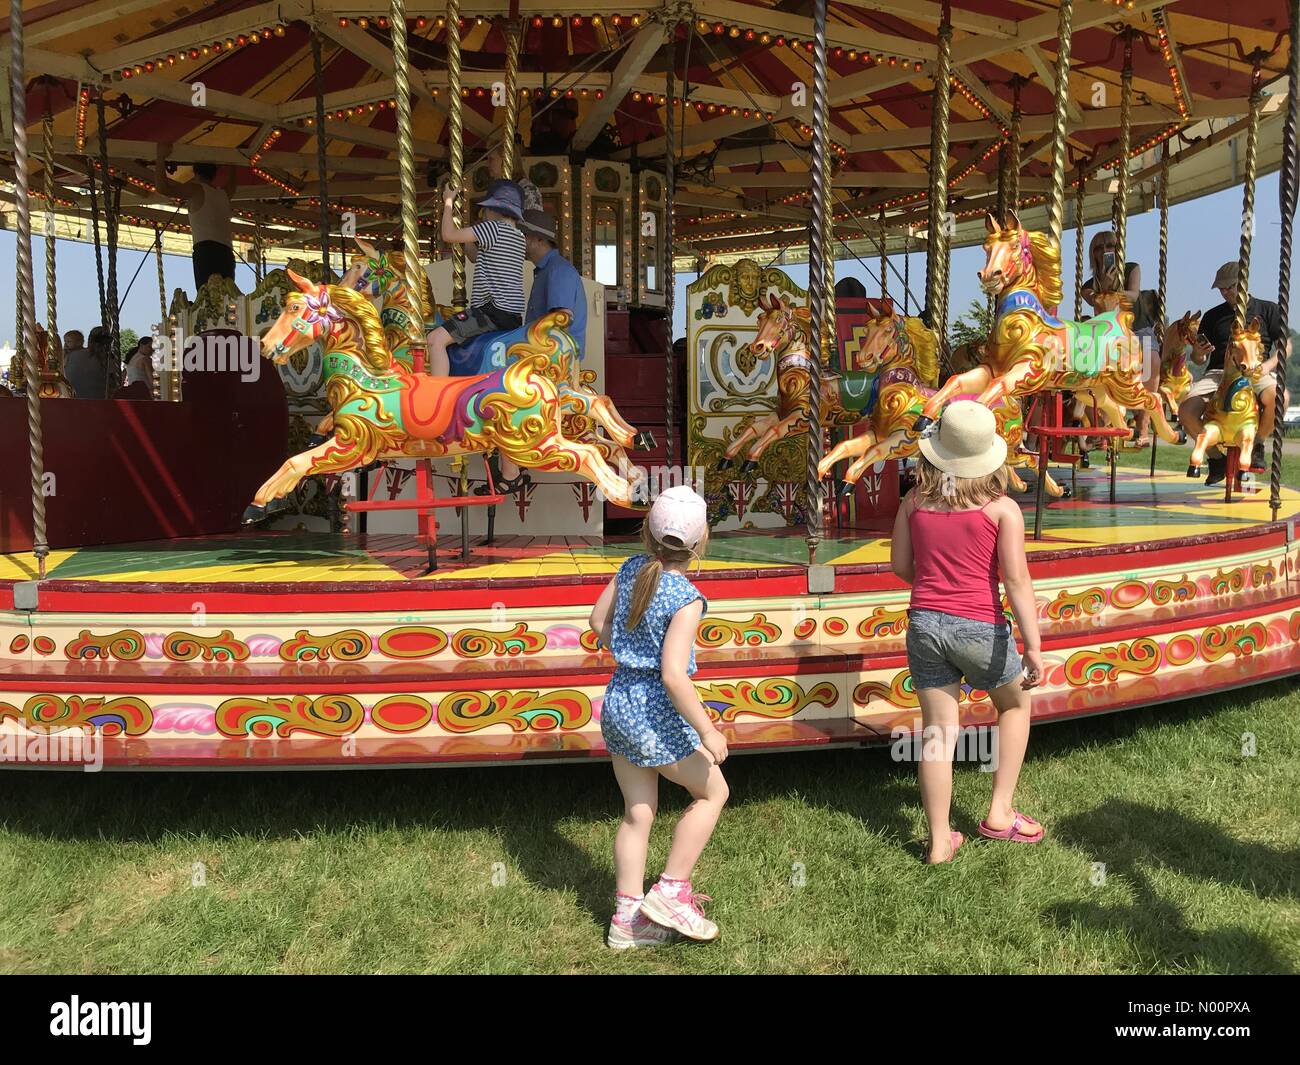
(955, 559)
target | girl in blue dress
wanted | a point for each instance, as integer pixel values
(655, 725)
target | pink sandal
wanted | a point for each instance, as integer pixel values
(1014, 833)
(957, 839)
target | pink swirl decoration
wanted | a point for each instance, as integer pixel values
(185, 717)
(597, 705)
(264, 646)
(564, 636)
(153, 643)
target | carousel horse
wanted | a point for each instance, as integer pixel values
(784, 333)
(381, 275)
(1031, 351)
(384, 411)
(902, 353)
(1175, 377)
(1231, 416)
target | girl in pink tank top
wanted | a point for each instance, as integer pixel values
(958, 537)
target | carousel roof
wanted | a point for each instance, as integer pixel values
(603, 84)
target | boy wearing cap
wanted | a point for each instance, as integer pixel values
(1212, 344)
(557, 286)
(496, 247)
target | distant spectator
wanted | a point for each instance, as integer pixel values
(139, 367)
(86, 368)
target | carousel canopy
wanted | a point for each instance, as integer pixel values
(234, 82)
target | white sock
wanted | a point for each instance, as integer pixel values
(672, 888)
(626, 906)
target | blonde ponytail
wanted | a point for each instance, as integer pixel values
(643, 591)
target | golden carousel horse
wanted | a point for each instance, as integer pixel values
(381, 275)
(1231, 417)
(902, 354)
(1175, 377)
(1032, 351)
(384, 411)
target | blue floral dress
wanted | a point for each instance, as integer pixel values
(638, 719)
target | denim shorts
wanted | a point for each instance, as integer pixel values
(944, 648)
(485, 318)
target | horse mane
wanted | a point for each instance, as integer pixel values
(1047, 265)
(925, 348)
(376, 355)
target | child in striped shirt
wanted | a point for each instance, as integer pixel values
(495, 246)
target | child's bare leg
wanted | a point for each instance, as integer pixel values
(939, 721)
(1013, 705)
(640, 788)
(698, 775)
(438, 365)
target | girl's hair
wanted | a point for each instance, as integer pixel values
(962, 493)
(647, 581)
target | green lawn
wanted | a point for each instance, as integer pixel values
(394, 871)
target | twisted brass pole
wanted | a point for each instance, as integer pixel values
(818, 297)
(318, 79)
(510, 124)
(1287, 196)
(1080, 194)
(934, 259)
(1119, 212)
(828, 258)
(1013, 152)
(51, 287)
(670, 287)
(1002, 182)
(1056, 196)
(110, 229)
(1248, 200)
(884, 257)
(406, 167)
(1161, 318)
(26, 296)
(455, 147)
(162, 300)
(94, 226)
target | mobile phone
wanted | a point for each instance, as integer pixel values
(1108, 260)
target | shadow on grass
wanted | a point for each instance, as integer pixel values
(1135, 841)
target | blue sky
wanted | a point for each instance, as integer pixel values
(1202, 234)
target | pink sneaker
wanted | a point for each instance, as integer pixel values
(635, 931)
(683, 914)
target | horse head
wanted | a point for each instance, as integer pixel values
(308, 316)
(1179, 335)
(778, 325)
(1010, 256)
(369, 272)
(885, 337)
(1246, 350)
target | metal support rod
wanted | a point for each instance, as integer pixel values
(818, 297)
(884, 257)
(318, 73)
(936, 238)
(1080, 195)
(1162, 318)
(1056, 196)
(455, 144)
(51, 276)
(1013, 151)
(670, 287)
(1119, 211)
(510, 124)
(110, 229)
(92, 184)
(26, 294)
(1248, 200)
(1287, 197)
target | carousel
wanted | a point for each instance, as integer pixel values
(294, 546)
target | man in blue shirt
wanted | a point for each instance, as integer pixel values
(556, 284)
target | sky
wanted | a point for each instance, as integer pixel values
(1203, 234)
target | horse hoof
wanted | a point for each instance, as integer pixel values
(1193, 471)
(748, 466)
(847, 488)
(921, 424)
(725, 463)
(645, 440)
(1182, 437)
(1085, 463)
(253, 514)
(1066, 492)
(315, 440)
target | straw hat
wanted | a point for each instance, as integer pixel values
(967, 442)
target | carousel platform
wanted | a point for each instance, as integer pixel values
(298, 650)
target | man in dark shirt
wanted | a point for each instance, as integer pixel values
(1212, 344)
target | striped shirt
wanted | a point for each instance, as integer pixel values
(499, 268)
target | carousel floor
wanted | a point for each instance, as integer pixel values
(1167, 507)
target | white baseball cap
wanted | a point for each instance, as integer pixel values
(679, 517)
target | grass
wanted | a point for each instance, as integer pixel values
(371, 871)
